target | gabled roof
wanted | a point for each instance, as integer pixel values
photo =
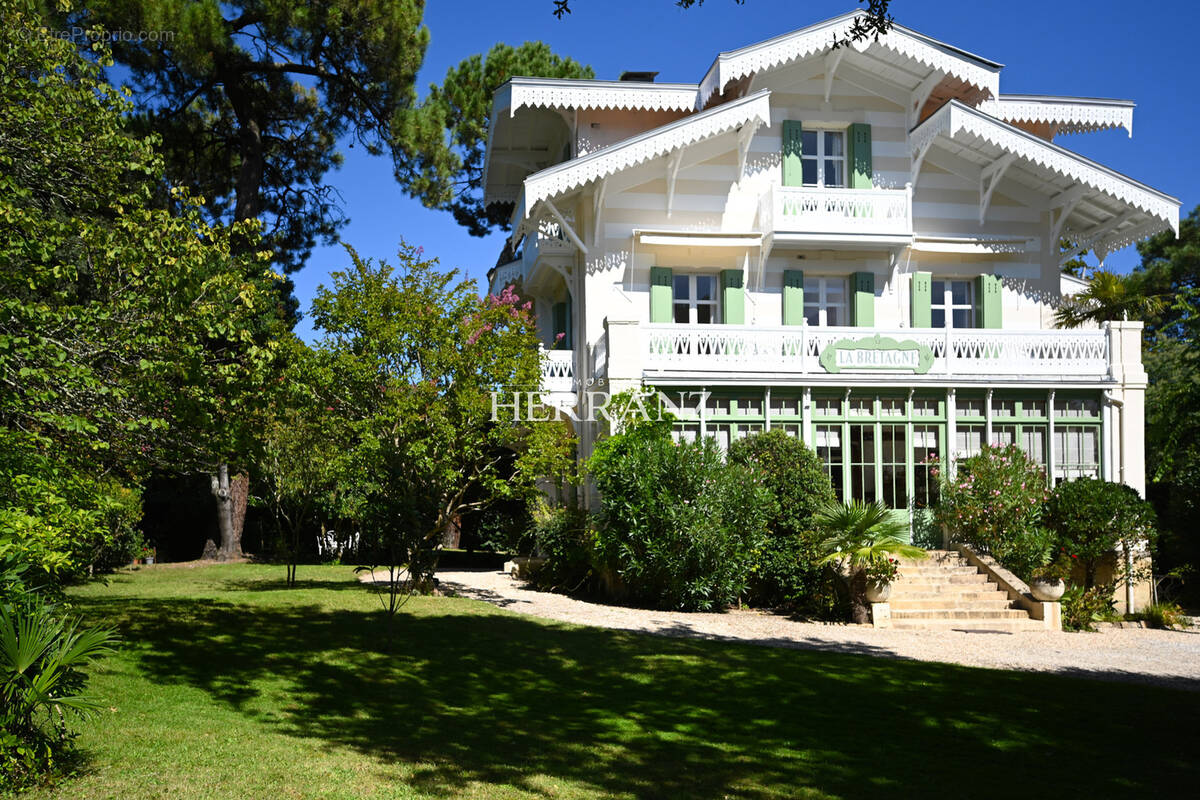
(1063, 114)
(1106, 209)
(570, 175)
(817, 39)
(564, 93)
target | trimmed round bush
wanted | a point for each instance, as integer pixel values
(786, 569)
(1091, 518)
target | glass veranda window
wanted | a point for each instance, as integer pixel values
(952, 304)
(825, 301)
(823, 158)
(695, 299)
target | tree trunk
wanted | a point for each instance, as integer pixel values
(231, 497)
(860, 613)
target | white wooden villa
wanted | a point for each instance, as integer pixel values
(858, 244)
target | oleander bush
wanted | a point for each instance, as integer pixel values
(565, 537)
(994, 504)
(786, 565)
(678, 527)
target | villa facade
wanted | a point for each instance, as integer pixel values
(860, 245)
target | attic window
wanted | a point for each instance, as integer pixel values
(639, 76)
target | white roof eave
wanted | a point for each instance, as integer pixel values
(1070, 114)
(955, 118)
(592, 94)
(571, 175)
(815, 39)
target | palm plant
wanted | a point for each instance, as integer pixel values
(862, 536)
(1109, 297)
(40, 682)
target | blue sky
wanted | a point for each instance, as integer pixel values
(1069, 47)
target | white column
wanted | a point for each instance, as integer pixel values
(806, 417)
(951, 434)
(1050, 472)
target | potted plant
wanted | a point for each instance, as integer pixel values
(880, 573)
(1049, 580)
(865, 540)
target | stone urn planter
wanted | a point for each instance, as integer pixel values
(1047, 590)
(878, 591)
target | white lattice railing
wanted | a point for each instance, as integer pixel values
(548, 240)
(507, 273)
(797, 349)
(794, 209)
(558, 370)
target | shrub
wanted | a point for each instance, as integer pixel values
(994, 504)
(678, 526)
(564, 536)
(1083, 607)
(1165, 615)
(786, 568)
(1091, 518)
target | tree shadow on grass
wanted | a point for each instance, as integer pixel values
(470, 694)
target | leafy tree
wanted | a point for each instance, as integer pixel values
(414, 355)
(443, 140)
(132, 335)
(305, 450)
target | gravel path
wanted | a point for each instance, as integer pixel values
(1170, 658)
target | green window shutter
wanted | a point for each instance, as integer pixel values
(793, 297)
(733, 298)
(988, 302)
(862, 285)
(662, 294)
(792, 146)
(859, 153)
(921, 297)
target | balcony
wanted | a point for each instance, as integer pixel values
(710, 351)
(558, 371)
(795, 213)
(548, 240)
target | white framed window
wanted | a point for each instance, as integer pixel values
(825, 301)
(695, 299)
(952, 304)
(823, 158)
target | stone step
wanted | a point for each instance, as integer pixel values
(920, 572)
(958, 613)
(986, 603)
(961, 593)
(953, 577)
(981, 625)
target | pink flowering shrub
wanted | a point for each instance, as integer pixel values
(994, 503)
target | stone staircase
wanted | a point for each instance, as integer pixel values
(944, 592)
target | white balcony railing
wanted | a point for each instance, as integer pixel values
(812, 210)
(558, 370)
(547, 240)
(508, 273)
(708, 349)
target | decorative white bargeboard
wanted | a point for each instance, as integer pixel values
(877, 212)
(709, 349)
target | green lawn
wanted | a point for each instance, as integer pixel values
(229, 685)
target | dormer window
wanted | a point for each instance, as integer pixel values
(823, 158)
